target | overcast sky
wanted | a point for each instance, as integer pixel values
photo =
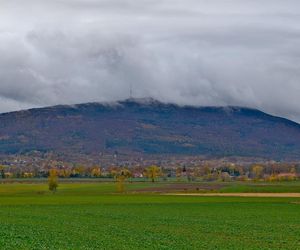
(199, 52)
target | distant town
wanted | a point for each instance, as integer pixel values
(191, 168)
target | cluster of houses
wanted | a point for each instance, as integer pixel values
(181, 168)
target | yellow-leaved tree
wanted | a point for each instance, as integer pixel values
(121, 177)
(2, 174)
(96, 172)
(257, 171)
(178, 173)
(52, 180)
(153, 172)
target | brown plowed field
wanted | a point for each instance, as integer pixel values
(290, 195)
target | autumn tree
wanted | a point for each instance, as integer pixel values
(197, 172)
(78, 171)
(65, 173)
(96, 172)
(152, 172)
(28, 175)
(204, 171)
(126, 173)
(293, 170)
(52, 180)
(121, 177)
(178, 173)
(2, 174)
(225, 176)
(114, 173)
(257, 171)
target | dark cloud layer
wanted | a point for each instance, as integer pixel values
(219, 52)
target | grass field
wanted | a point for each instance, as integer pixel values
(93, 216)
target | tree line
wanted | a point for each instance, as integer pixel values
(230, 172)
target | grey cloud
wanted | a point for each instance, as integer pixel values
(193, 52)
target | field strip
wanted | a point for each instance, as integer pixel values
(293, 195)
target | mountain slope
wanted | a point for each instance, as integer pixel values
(150, 127)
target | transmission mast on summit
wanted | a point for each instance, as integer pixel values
(130, 92)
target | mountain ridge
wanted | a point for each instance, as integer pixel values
(147, 126)
(147, 101)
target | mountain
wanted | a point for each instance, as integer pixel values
(150, 127)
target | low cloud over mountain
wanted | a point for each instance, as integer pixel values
(196, 52)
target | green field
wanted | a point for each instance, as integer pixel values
(93, 216)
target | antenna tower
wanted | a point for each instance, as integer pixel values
(130, 94)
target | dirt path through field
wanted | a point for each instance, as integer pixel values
(289, 195)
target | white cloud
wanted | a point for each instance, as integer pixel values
(219, 52)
